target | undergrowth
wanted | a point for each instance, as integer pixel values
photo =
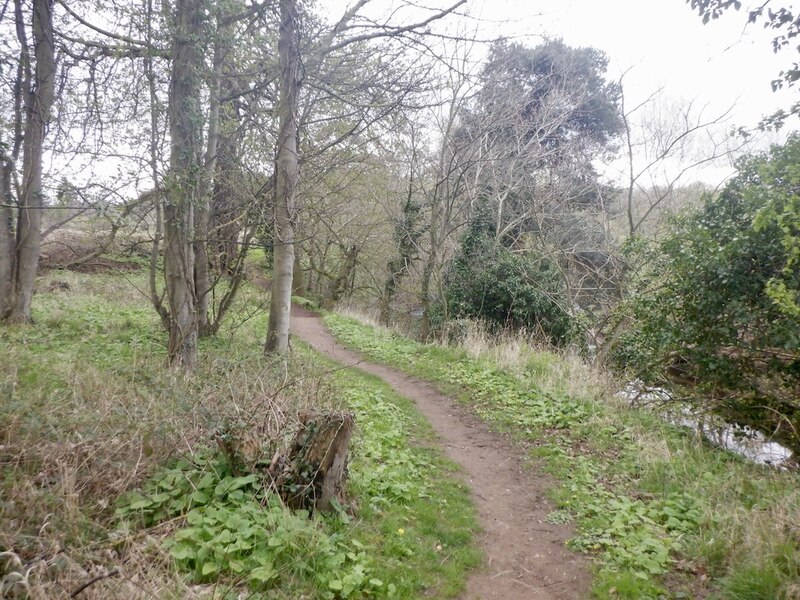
(412, 533)
(110, 475)
(664, 514)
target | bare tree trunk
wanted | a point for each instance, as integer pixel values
(183, 186)
(39, 96)
(631, 176)
(428, 270)
(228, 212)
(425, 295)
(156, 298)
(6, 238)
(287, 172)
(202, 222)
(202, 277)
(298, 281)
(339, 284)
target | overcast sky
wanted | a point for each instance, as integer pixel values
(658, 44)
(664, 44)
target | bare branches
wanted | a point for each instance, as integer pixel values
(109, 34)
(384, 30)
(665, 142)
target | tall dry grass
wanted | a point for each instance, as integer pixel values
(523, 353)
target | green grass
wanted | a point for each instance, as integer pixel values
(664, 514)
(91, 422)
(419, 513)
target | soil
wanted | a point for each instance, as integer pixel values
(525, 556)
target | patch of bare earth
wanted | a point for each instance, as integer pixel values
(525, 556)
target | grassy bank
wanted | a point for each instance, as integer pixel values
(110, 473)
(665, 515)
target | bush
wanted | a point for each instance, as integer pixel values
(718, 308)
(505, 288)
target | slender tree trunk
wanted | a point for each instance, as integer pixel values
(227, 212)
(237, 278)
(202, 222)
(39, 96)
(287, 172)
(202, 276)
(631, 176)
(156, 298)
(222, 248)
(183, 186)
(228, 209)
(298, 281)
(407, 234)
(425, 295)
(6, 238)
(428, 270)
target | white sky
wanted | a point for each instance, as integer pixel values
(661, 44)
(664, 43)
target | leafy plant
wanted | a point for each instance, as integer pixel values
(718, 309)
(235, 529)
(88, 410)
(503, 288)
(663, 514)
(495, 395)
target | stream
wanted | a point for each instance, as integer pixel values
(745, 441)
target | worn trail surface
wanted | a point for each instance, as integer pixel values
(525, 555)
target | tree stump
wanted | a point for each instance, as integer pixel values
(314, 471)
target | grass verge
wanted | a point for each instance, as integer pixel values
(664, 514)
(110, 476)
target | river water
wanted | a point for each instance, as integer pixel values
(745, 441)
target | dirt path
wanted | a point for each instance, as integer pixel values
(525, 555)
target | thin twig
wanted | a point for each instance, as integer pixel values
(112, 573)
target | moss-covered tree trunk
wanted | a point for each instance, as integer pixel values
(183, 188)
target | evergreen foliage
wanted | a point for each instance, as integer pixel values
(718, 308)
(504, 288)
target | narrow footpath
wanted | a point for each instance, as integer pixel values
(525, 556)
